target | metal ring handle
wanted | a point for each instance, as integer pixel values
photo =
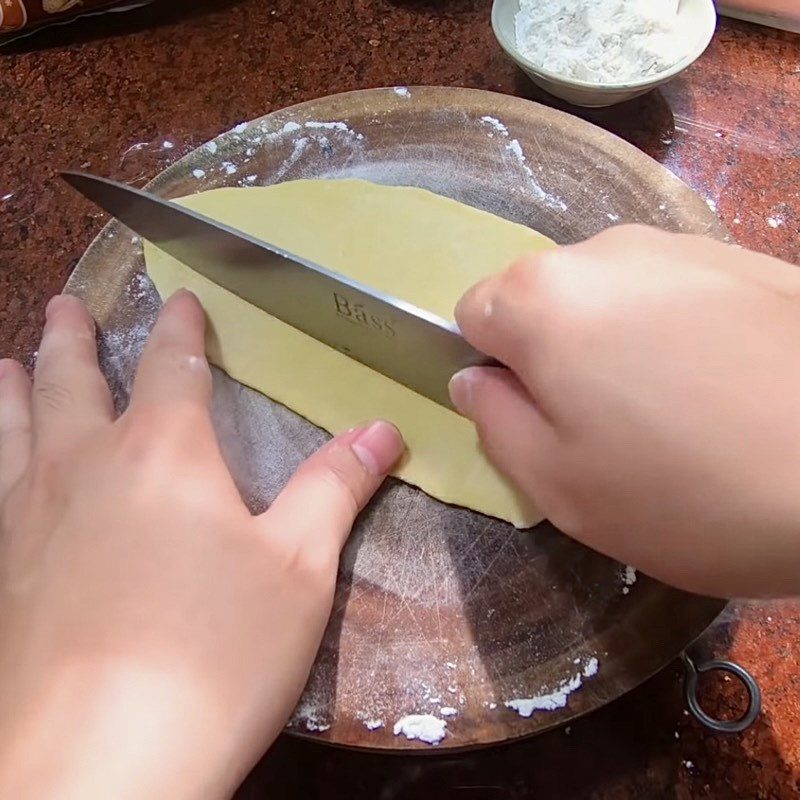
(721, 725)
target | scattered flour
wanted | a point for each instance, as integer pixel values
(496, 124)
(515, 148)
(601, 41)
(402, 91)
(199, 173)
(373, 724)
(298, 149)
(211, 147)
(774, 222)
(240, 128)
(312, 715)
(629, 577)
(333, 126)
(425, 727)
(447, 711)
(167, 145)
(554, 700)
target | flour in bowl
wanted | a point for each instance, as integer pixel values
(601, 41)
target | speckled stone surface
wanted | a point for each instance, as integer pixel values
(107, 94)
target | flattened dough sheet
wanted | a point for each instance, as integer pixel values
(408, 242)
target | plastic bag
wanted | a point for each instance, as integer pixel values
(18, 17)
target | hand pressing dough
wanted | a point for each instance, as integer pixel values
(411, 243)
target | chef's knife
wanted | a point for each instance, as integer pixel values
(393, 337)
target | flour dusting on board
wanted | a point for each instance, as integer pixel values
(629, 577)
(314, 136)
(553, 700)
(515, 148)
(307, 140)
(496, 124)
(425, 727)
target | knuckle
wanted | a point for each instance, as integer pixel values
(561, 507)
(339, 476)
(52, 394)
(522, 273)
(144, 434)
(631, 234)
(511, 288)
(67, 334)
(500, 451)
(565, 515)
(172, 358)
(155, 432)
(531, 276)
(167, 352)
(314, 564)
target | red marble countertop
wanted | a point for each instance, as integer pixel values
(106, 94)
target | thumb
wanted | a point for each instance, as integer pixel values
(324, 496)
(511, 428)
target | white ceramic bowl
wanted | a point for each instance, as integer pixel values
(700, 18)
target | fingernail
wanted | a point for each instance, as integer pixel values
(183, 293)
(378, 447)
(54, 304)
(461, 389)
(59, 302)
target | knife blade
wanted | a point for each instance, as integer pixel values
(401, 341)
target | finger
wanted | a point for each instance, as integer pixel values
(173, 369)
(323, 498)
(15, 424)
(70, 394)
(500, 316)
(514, 433)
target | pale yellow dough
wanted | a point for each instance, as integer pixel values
(411, 243)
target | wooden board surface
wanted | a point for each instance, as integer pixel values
(436, 607)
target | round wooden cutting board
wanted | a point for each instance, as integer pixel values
(439, 610)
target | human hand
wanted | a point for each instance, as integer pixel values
(655, 412)
(155, 635)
